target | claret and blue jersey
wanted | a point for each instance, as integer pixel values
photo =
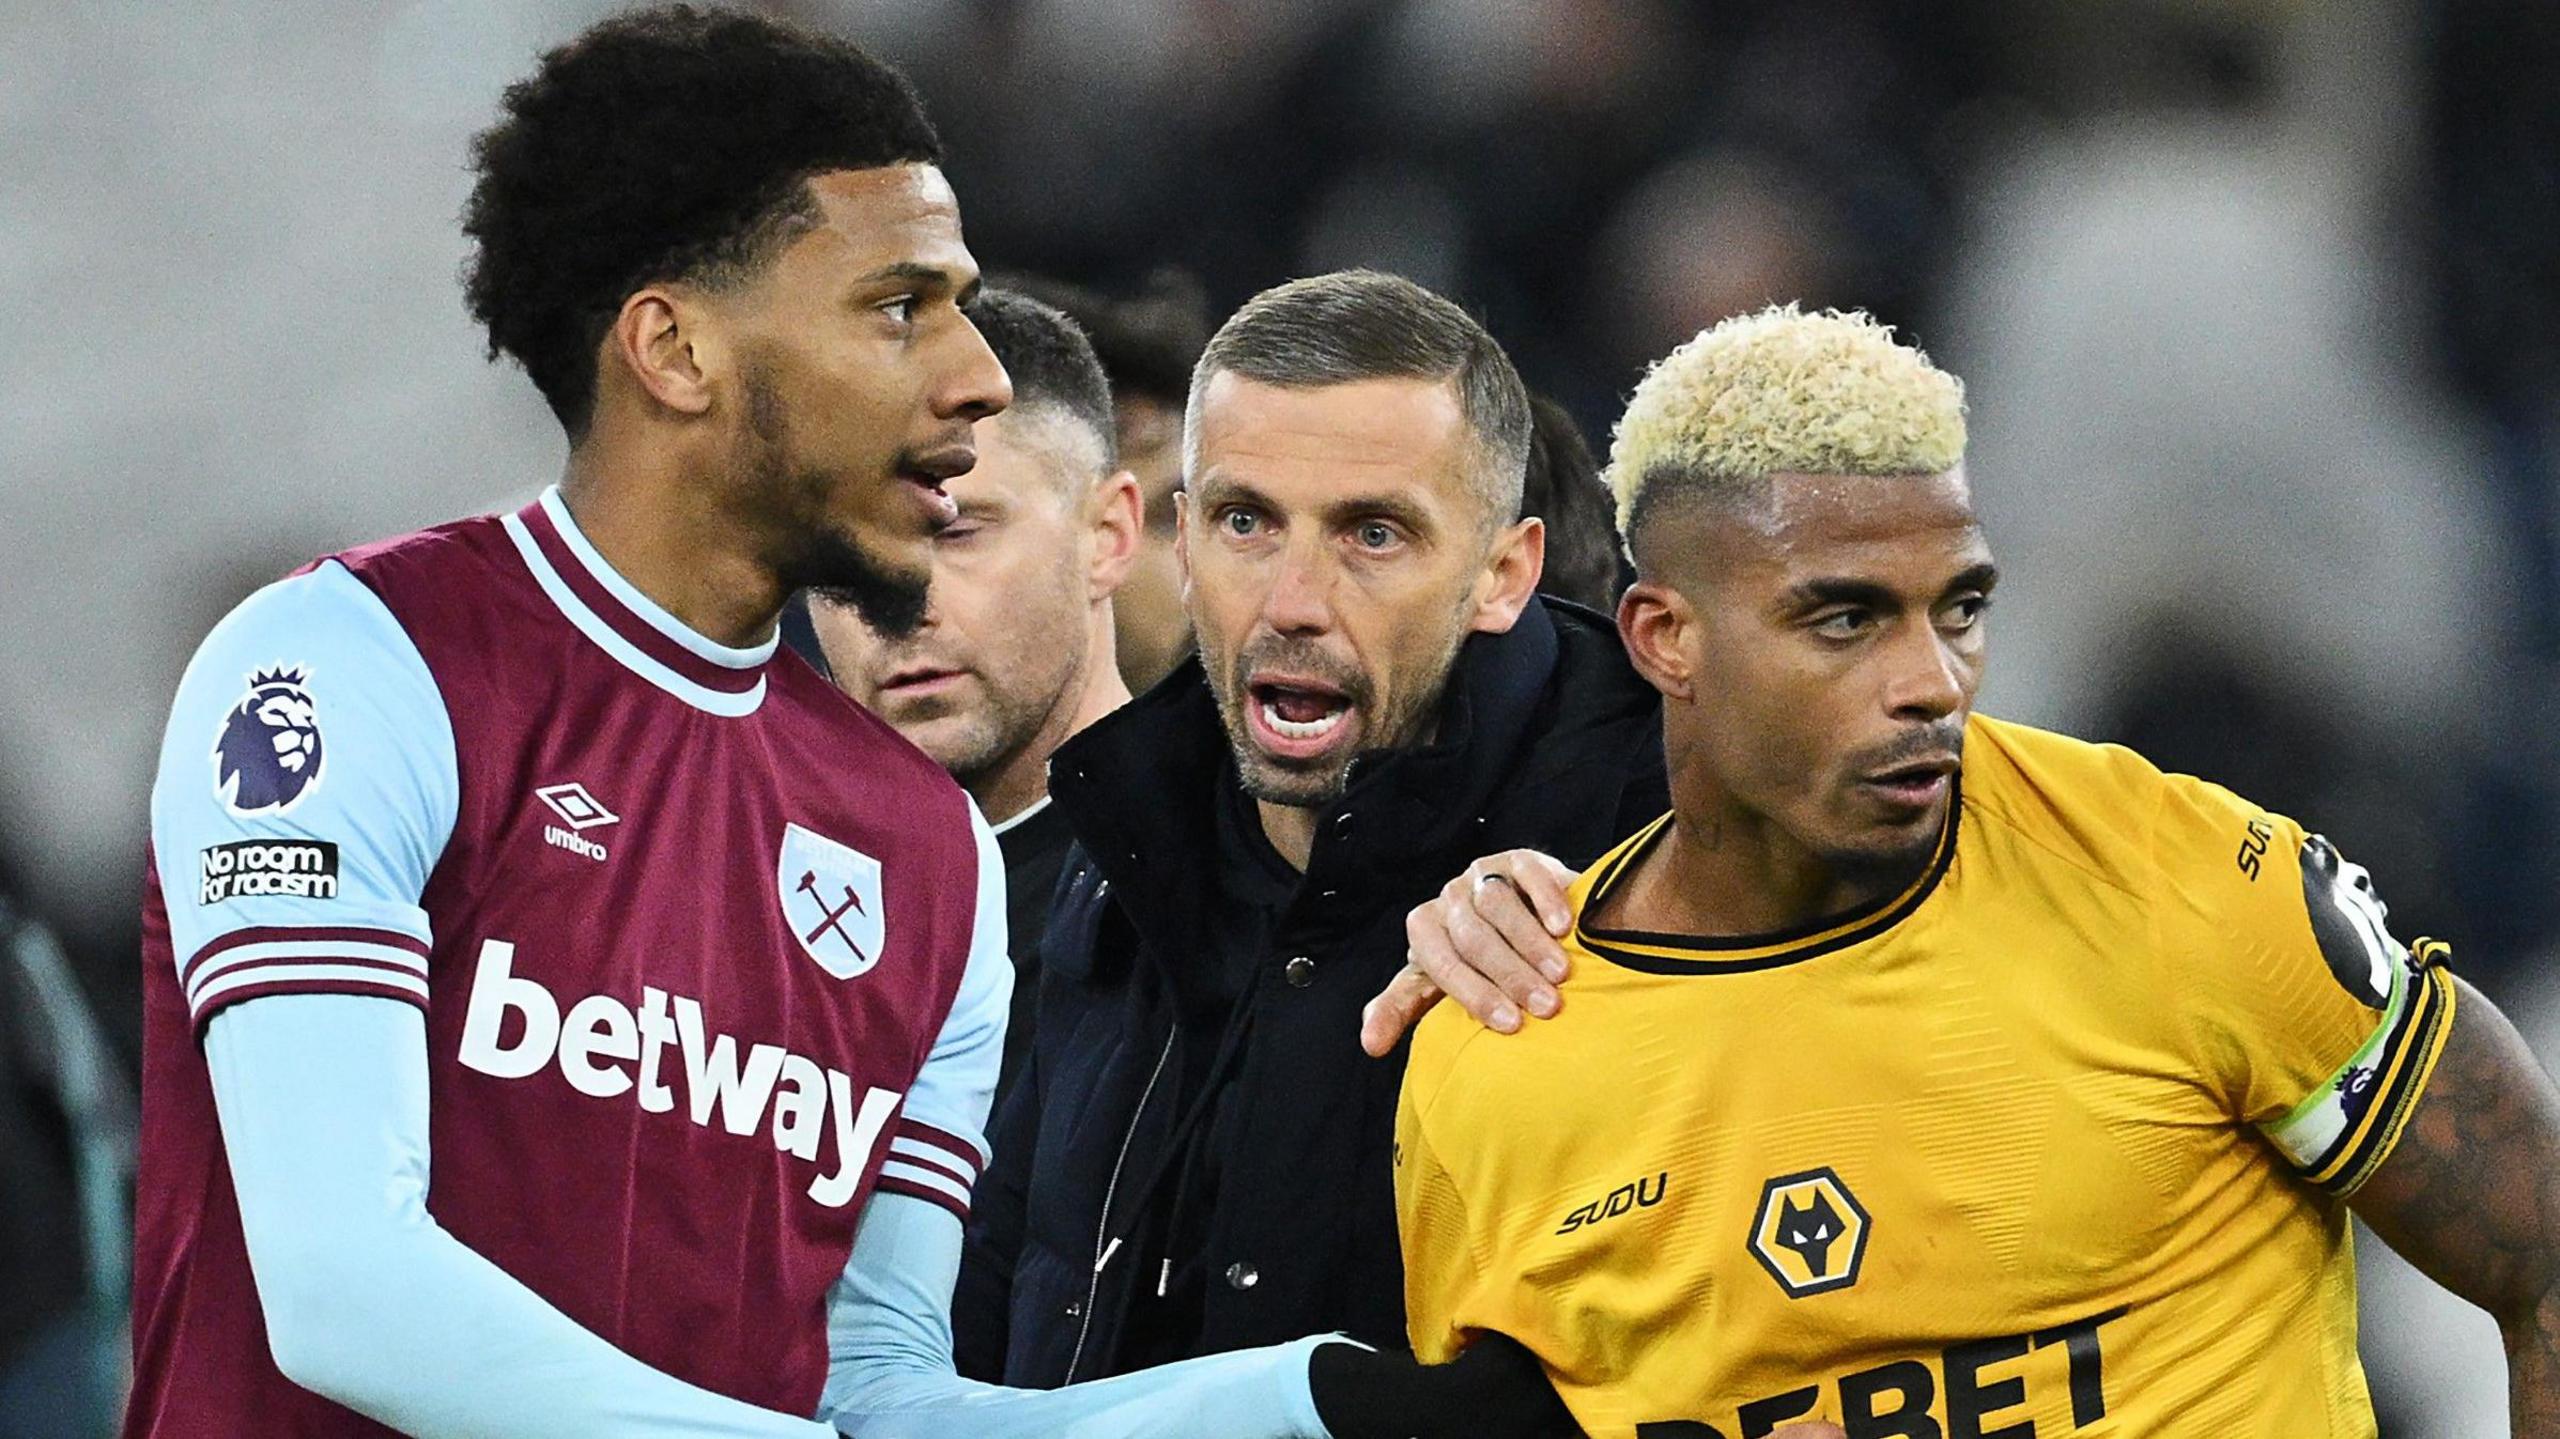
(700, 949)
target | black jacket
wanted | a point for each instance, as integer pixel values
(1547, 740)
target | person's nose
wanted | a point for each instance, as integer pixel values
(1300, 600)
(1928, 681)
(976, 385)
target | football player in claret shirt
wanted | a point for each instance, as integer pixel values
(1922, 1073)
(566, 1015)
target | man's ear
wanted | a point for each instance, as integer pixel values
(1182, 540)
(1511, 575)
(1653, 621)
(1117, 513)
(665, 341)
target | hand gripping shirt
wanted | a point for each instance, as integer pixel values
(2050, 1143)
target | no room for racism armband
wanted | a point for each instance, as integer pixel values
(297, 869)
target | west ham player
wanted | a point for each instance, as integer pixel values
(1927, 1073)
(565, 1015)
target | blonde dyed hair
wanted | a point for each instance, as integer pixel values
(1786, 392)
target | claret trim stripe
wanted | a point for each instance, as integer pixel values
(972, 1153)
(934, 1165)
(264, 960)
(649, 642)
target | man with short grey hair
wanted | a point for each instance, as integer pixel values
(1356, 325)
(1197, 1156)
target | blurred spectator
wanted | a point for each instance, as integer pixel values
(1719, 234)
(2188, 401)
(1565, 490)
(1148, 343)
(66, 1156)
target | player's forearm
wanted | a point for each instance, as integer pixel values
(417, 1332)
(2533, 1370)
(366, 1300)
(2471, 1196)
(1251, 1394)
(891, 1376)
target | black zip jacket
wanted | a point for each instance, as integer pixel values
(1547, 740)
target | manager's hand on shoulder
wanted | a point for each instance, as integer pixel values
(1495, 1390)
(1488, 941)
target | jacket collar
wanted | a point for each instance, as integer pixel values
(1141, 787)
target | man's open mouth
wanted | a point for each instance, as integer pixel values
(928, 472)
(1298, 717)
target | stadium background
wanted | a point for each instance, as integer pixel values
(2259, 304)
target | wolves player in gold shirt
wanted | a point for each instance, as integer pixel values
(1925, 1074)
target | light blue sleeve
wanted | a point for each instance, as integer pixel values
(306, 787)
(366, 1299)
(890, 1374)
(939, 1147)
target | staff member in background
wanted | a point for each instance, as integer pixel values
(1197, 1154)
(1565, 490)
(1147, 343)
(1016, 651)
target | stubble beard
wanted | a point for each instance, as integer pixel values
(1014, 721)
(811, 553)
(1886, 871)
(1892, 868)
(1280, 782)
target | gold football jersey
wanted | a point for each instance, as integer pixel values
(2052, 1143)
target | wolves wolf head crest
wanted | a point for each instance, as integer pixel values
(1809, 1229)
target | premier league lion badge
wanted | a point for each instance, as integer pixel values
(269, 754)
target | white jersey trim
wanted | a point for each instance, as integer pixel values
(933, 1179)
(641, 605)
(1018, 816)
(710, 701)
(199, 980)
(962, 1169)
(305, 974)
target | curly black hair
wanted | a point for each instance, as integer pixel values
(1049, 358)
(662, 144)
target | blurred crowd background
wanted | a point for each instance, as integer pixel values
(2258, 303)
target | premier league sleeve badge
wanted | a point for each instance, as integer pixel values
(268, 755)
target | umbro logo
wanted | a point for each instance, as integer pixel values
(572, 803)
(582, 811)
